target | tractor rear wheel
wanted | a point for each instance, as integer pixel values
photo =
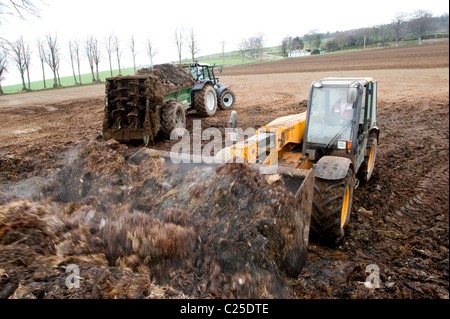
(172, 117)
(226, 100)
(205, 101)
(332, 205)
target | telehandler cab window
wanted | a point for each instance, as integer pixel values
(330, 115)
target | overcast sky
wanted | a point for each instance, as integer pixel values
(212, 22)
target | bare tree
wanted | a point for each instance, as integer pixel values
(90, 54)
(398, 27)
(76, 53)
(309, 38)
(17, 54)
(420, 23)
(251, 46)
(317, 41)
(290, 44)
(223, 51)
(151, 51)
(57, 72)
(179, 39)
(133, 52)
(72, 57)
(109, 50)
(52, 57)
(259, 41)
(19, 8)
(287, 46)
(27, 62)
(384, 34)
(97, 56)
(116, 48)
(193, 45)
(41, 50)
(242, 49)
(3, 66)
(254, 46)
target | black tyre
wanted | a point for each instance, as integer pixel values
(205, 101)
(172, 116)
(366, 168)
(227, 100)
(332, 205)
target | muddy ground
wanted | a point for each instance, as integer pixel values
(400, 218)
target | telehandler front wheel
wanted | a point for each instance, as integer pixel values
(332, 205)
(172, 117)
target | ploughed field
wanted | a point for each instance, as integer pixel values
(68, 198)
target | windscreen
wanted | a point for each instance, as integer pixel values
(330, 115)
(194, 72)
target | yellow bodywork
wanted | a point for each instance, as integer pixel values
(288, 132)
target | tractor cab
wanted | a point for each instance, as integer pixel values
(203, 72)
(341, 115)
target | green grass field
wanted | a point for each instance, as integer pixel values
(65, 81)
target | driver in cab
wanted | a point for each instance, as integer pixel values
(343, 111)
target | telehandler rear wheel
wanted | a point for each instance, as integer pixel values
(332, 205)
(366, 168)
(172, 117)
(205, 101)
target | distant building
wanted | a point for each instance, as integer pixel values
(297, 53)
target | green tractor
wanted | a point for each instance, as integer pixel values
(208, 94)
(155, 100)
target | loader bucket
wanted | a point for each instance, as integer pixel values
(286, 225)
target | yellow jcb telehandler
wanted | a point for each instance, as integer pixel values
(337, 137)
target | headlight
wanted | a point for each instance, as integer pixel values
(344, 145)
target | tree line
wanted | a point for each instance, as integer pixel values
(251, 47)
(403, 26)
(18, 54)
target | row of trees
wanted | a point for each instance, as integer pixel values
(18, 53)
(312, 40)
(252, 47)
(403, 26)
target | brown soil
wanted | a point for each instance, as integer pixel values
(400, 218)
(417, 57)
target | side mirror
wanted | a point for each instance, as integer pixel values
(352, 95)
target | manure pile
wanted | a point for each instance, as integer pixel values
(137, 227)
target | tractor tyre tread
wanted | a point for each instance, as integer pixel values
(200, 101)
(168, 117)
(327, 208)
(221, 103)
(363, 174)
